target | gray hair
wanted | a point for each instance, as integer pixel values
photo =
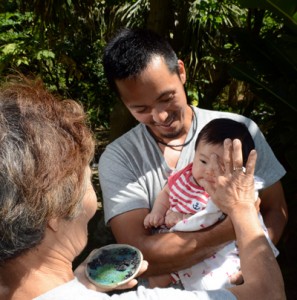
(45, 147)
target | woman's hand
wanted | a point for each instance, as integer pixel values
(234, 185)
(81, 276)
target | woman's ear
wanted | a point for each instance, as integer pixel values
(182, 71)
(53, 224)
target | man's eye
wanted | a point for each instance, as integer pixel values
(168, 98)
(140, 111)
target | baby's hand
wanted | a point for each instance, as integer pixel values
(153, 220)
(172, 218)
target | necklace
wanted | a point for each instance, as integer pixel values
(186, 143)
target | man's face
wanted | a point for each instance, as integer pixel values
(157, 99)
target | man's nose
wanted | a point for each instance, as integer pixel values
(159, 116)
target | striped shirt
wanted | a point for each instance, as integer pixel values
(186, 196)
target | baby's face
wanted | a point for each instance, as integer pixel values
(201, 164)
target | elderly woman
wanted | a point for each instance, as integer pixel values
(47, 199)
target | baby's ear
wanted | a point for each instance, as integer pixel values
(53, 224)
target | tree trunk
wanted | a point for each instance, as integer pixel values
(121, 121)
(161, 18)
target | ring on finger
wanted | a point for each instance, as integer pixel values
(242, 169)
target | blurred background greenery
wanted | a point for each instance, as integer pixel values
(241, 56)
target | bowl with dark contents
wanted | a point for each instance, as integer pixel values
(113, 265)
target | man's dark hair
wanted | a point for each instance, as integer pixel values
(217, 130)
(130, 51)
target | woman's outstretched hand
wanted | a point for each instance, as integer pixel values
(234, 184)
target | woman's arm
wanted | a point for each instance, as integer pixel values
(261, 273)
(233, 192)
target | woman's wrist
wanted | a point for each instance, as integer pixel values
(240, 209)
(245, 220)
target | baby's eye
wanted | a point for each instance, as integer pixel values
(203, 161)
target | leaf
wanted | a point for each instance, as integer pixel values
(23, 60)
(45, 54)
(9, 48)
(287, 9)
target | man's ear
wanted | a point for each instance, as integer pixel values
(53, 224)
(182, 71)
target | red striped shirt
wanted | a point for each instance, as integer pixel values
(186, 196)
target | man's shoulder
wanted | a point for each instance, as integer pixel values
(139, 131)
(213, 114)
(128, 141)
(130, 146)
(205, 115)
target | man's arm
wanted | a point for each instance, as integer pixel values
(274, 210)
(169, 252)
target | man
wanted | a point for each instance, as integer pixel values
(149, 79)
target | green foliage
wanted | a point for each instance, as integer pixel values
(267, 62)
(131, 14)
(69, 62)
(15, 43)
(287, 10)
(206, 43)
(238, 59)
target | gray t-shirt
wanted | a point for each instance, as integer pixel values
(132, 169)
(74, 290)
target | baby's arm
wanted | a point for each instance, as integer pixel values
(157, 216)
(173, 217)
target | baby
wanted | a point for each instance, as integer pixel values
(184, 205)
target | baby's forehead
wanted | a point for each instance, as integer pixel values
(206, 149)
(206, 144)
